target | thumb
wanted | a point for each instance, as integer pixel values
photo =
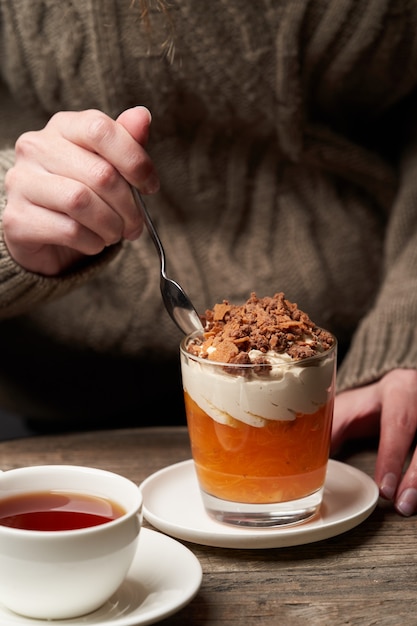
(137, 122)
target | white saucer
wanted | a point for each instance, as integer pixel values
(172, 503)
(164, 577)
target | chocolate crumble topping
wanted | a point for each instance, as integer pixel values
(262, 324)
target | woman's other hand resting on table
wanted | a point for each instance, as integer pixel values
(68, 194)
(389, 407)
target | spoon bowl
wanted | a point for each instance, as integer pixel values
(177, 303)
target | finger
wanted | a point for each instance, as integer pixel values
(398, 427)
(356, 415)
(137, 122)
(98, 133)
(78, 165)
(31, 230)
(406, 499)
(79, 202)
(35, 226)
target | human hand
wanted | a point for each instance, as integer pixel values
(389, 407)
(68, 193)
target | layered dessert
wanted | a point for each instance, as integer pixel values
(259, 390)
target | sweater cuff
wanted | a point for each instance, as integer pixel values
(378, 346)
(20, 289)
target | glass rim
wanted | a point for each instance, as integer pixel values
(239, 366)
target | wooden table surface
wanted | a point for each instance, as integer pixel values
(366, 576)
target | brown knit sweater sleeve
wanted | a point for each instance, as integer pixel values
(386, 338)
(21, 290)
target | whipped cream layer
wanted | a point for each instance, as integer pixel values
(287, 389)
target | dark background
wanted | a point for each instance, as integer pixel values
(12, 426)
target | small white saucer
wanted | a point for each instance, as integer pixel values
(172, 503)
(163, 578)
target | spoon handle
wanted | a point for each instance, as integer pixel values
(140, 203)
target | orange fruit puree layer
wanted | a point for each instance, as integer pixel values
(281, 461)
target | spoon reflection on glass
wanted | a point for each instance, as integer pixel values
(176, 301)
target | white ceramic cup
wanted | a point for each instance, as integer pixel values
(67, 573)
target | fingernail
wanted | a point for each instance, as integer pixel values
(140, 106)
(151, 184)
(407, 502)
(388, 486)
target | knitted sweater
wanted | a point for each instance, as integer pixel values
(283, 133)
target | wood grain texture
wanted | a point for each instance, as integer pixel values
(364, 577)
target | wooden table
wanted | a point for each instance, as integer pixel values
(366, 576)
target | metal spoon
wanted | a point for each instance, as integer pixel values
(176, 301)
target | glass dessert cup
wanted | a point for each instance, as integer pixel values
(260, 435)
